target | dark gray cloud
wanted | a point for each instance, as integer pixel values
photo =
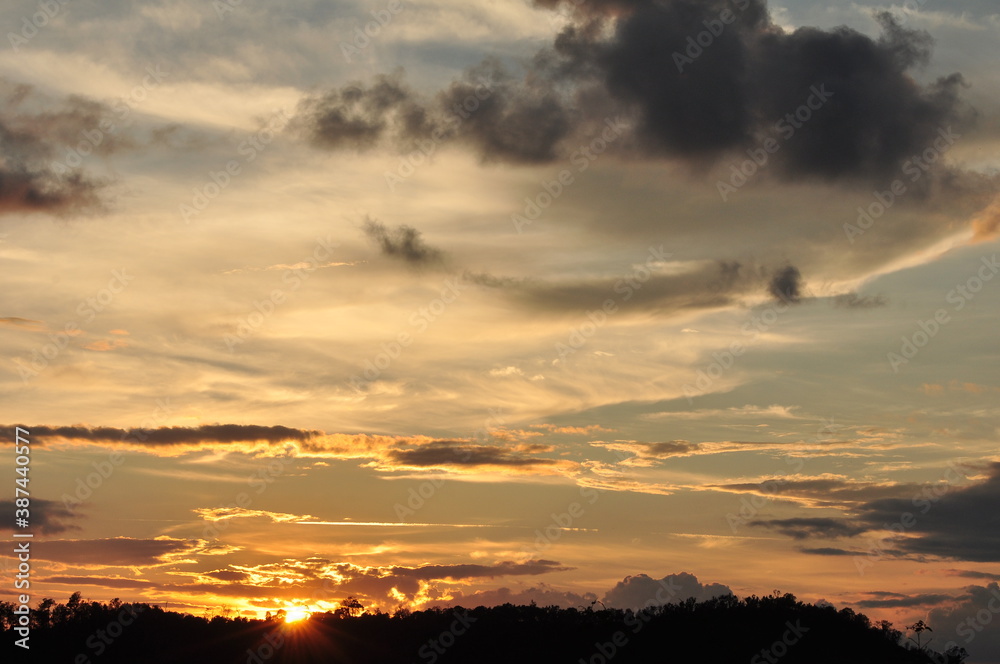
(830, 551)
(669, 448)
(116, 551)
(696, 80)
(166, 436)
(454, 453)
(944, 519)
(785, 285)
(806, 528)
(358, 116)
(824, 492)
(971, 623)
(39, 158)
(963, 522)
(403, 243)
(47, 516)
(712, 284)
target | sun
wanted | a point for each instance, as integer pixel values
(295, 614)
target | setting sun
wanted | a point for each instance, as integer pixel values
(296, 614)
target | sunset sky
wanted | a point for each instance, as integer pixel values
(451, 303)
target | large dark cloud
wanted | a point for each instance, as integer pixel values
(947, 519)
(695, 80)
(963, 522)
(970, 623)
(47, 516)
(116, 551)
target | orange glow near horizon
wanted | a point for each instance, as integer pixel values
(296, 614)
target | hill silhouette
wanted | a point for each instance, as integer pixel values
(759, 630)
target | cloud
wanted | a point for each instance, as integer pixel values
(38, 172)
(386, 453)
(47, 516)
(169, 436)
(121, 551)
(358, 116)
(943, 519)
(453, 454)
(786, 285)
(222, 513)
(806, 528)
(957, 522)
(648, 454)
(971, 622)
(403, 243)
(695, 103)
(641, 591)
(855, 301)
(25, 324)
(821, 491)
(704, 285)
(830, 551)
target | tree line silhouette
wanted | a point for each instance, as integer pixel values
(770, 629)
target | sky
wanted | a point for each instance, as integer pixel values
(453, 303)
